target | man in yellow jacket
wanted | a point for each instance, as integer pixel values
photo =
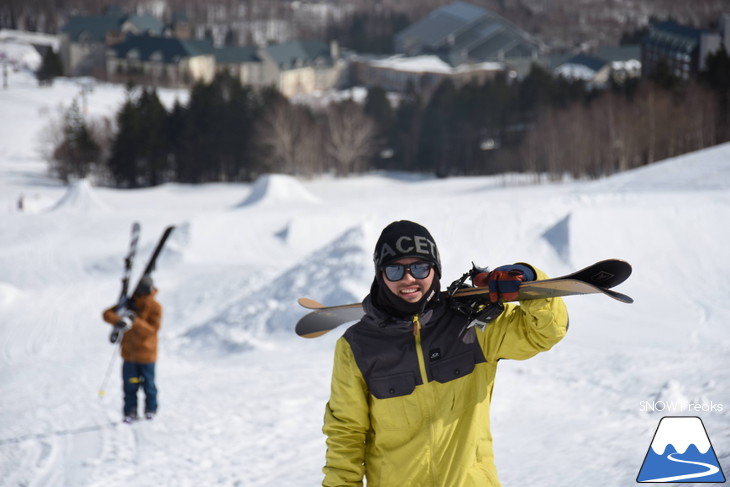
(412, 384)
(139, 325)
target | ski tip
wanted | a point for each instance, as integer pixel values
(624, 298)
(309, 303)
(625, 264)
(313, 334)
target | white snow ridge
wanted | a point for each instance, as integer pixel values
(331, 274)
(80, 198)
(278, 188)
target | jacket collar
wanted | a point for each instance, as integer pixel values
(376, 317)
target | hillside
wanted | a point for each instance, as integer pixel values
(242, 398)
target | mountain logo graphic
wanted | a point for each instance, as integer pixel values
(680, 452)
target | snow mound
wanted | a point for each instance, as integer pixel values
(558, 236)
(331, 275)
(20, 54)
(80, 197)
(707, 169)
(307, 233)
(278, 188)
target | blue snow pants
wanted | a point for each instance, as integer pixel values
(134, 375)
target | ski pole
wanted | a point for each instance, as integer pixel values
(102, 390)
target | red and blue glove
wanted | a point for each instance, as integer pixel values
(504, 281)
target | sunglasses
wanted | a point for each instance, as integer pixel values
(395, 272)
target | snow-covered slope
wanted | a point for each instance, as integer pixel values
(242, 398)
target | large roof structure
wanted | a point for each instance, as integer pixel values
(162, 49)
(674, 36)
(94, 28)
(464, 33)
(289, 54)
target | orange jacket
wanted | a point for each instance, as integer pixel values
(139, 343)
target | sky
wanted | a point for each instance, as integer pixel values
(242, 397)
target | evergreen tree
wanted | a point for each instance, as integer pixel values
(477, 115)
(437, 135)
(717, 77)
(154, 138)
(240, 107)
(634, 37)
(51, 67)
(200, 161)
(717, 71)
(378, 108)
(369, 31)
(78, 151)
(219, 130)
(663, 77)
(408, 127)
(176, 129)
(125, 151)
(535, 90)
(141, 148)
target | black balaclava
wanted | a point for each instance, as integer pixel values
(398, 240)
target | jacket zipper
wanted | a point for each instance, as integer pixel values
(419, 351)
(425, 402)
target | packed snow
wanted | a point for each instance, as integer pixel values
(242, 397)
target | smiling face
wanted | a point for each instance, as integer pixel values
(408, 288)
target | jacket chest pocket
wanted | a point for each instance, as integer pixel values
(393, 405)
(453, 368)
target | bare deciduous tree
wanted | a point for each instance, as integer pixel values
(615, 133)
(279, 134)
(288, 141)
(351, 137)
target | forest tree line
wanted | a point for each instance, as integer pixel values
(540, 125)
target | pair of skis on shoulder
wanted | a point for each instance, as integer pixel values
(124, 296)
(597, 278)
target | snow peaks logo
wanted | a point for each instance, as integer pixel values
(681, 452)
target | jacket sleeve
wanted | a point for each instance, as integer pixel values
(346, 421)
(149, 322)
(523, 331)
(110, 316)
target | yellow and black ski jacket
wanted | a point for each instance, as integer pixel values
(409, 403)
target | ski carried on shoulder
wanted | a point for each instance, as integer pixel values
(128, 263)
(325, 318)
(125, 296)
(152, 262)
(594, 279)
(597, 278)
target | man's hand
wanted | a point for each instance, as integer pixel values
(504, 281)
(126, 319)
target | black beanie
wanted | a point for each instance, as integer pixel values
(405, 239)
(145, 286)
